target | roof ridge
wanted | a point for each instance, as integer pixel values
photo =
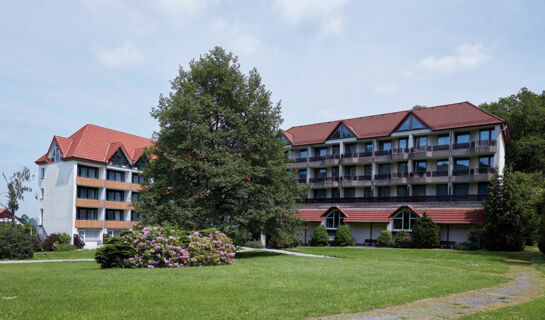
(130, 134)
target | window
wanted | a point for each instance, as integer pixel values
(320, 193)
(419, 190)
(303, 174)
(143, 162)
(320, 172)
(350, 148)
(384, 191)
(42, 191)
(420, 142)
(486, 135)
(135, 196)
(341, 132)
(402, 143)
(368, 147)
(333, 220)
(115, 215)
(461, 189)
(87, 172)
(368, 169)
(136, 178)
(335, 193)
(462, 137)
(86, 214)
(404, 220)
(411, 123)
(402, 167)
(441, 189)
(335, 171)
(483, 188)
(42, 173)
(135, 216)
(385, 145)
(87, 193)
(442, 165)
(402, 191)
(443, 140)
(420, 166)
(349, 192)
(335, 150)
(367, 192)
(114, 175)
(81, 234)
(384, 169)
(119, 159)
(303, 154)
(115, 195)
(57, 156)
(461, 164)
(320, 152)
(350, 171)
(486, 162)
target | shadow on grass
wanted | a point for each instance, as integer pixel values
(255, 254)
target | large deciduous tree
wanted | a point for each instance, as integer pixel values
(219, 160)
(17, 188)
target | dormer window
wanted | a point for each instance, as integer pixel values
(56, 156)
(341, 133)
(411, 123)
(118, 159)
(142, 162)
(404, 220)
(333, 220)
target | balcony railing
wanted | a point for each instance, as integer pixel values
(316, 180)
(365, 177)
(462, 172)
(440, 173)
(350, 155)
(421, 149)
(383, 152)
(400, 175)
(302, 180)
(350, 178)
(382, 176)
(421, 174)
(469, 197)
(401, 150)
(366, 154)
(301, 159)
(441, 147)
(486, 170)
(485, 143)
(316, 158)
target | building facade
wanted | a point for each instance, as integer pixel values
(382, 172)
(87, 183)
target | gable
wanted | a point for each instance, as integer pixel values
(341, 132)
(411, 122)
(119, 159)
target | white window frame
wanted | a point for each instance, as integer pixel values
(400, 216)
(337, 221)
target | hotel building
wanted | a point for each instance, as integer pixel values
(87, 182)
(384, 171)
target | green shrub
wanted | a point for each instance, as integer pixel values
(425, 233)
(403, 239)
(254, 244)
(65, 247)
(114, 252)
(466, 246)
(36, 244)
(385, 238)
(51, 242)
(64, 238)
(320, 237)
(185, 234)
(284, 240)
(343, 236)
(14, 243)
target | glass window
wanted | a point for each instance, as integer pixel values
(335, 171)
(416, 124)
(420, 166)
(320, 193)
(385, 145)
(336, 134)
(87, 172)
(86, 214)
(402, 167)
(346, 133)
(119, 159)
(483, 188)
(349, 192)
(442, 165)
(384, 191)
(136, 178)
(406, 125)
(421, 141)
(320, 172)
(114, 175)
(486, 162)
(350, 170)
(303, 154)
(443, 140)
(115, 195)
(461, 164)
(419, 190)
(384, 169)
(402, 143)
(441, 189)
(404, 220)
(486, 135)
(367, 192)
(135, 196)
(320, 152)
(462, 137)
(368, 169)
(303, 174)
(461, 189)
(402, 191)
(335, 193)
(368, 147)
(144, 163)
(87, 193)
(350, 148)
(335, 150)
(333, 220)
(115, 215)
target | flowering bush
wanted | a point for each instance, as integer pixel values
(214, 249)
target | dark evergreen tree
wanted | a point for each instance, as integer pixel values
(425, 233)
(343, 236)
(320, 237)
(219, 160)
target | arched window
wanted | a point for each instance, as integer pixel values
(333, 220)
(404, 220)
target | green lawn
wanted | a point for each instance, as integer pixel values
(259, 285)
(74, 254)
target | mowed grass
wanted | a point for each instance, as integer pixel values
(74, 254)
(258, 286)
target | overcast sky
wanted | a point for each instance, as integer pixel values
(67, 63)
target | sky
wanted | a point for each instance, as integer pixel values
(64, 64)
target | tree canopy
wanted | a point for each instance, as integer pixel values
(219, 160)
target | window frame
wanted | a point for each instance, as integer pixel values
(335, 217)
(400, 216)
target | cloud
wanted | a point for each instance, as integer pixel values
(246, 44)
(179, 11)
(236, 36)
(386, 89)
(467, 57)
(126, 55)
(328, 13)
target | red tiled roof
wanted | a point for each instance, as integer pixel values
(463, 114)
(98, 144)
(441, 216)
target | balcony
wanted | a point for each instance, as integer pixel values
(89, 203)
(136, 187)
(90, 182)
(400, 154)
(462, 175)
(302, 180)
(420, 176)
(118, 185)
(111, 224)
(484, 174)
(405, 199)
(461, 149)
(421, 152)
(440, 151)
(299, 163)
(350, 181)
(89, 224)
(119, 205)
(399, 177)
(383, 155)
(485, 147)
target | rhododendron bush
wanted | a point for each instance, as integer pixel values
(158, 247)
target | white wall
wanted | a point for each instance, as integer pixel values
(457, 232)
(362, 231)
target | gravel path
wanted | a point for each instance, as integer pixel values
(292, 253)
(38, 261)
(525, 286)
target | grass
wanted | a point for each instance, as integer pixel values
(74, 254)
(259, 285)
(531, 310)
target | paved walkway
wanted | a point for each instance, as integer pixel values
(38, 261)
(292, 253)
(526, 285)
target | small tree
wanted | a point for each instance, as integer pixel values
(425, 233)
(319, 237)
(16, 186)
(343, 236)
(385, 238)
(403, 239)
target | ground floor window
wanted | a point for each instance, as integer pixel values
(333, 220)
(404, 220)
(384, 191)
(367, 192)
(483, 188)
(320, 193)
(461, 189)
(441, 189)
